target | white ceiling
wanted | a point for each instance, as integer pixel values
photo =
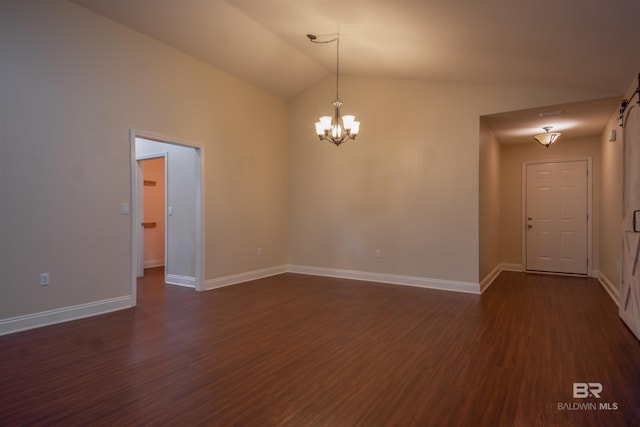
(574, 120)
(582, 44)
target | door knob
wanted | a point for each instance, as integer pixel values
(529, 226)
(529, 218)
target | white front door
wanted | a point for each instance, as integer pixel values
(630, 287)
(556, 217)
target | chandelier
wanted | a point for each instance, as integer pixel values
(336, 129)
(547, 138)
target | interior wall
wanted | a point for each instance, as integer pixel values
(513, 157)
(407, 186)
(489, 203)
(73, 85)
(154, 211)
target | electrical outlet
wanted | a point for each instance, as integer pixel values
(259, 251)
(378, 253)
(44, 279)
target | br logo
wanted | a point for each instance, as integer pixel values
(584, 390)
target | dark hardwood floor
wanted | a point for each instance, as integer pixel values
(300, 350)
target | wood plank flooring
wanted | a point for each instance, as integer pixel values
(295, 350)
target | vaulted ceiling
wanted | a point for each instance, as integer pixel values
(583, 44)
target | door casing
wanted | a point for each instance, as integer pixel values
(134, 202)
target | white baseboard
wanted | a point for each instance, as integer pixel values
(421, 282)
(611, 289)
(153, 263)
(505, 266)
(50, 317)
(489, 278)
(235, 279)
(174, 279)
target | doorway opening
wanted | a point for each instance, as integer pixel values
(181, 210)
(152, 211)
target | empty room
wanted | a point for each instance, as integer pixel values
(319, 213)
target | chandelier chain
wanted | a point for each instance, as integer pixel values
(337, 66)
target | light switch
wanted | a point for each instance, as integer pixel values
(124, 209)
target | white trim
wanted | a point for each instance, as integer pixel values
(235, 279)
(489, 278)
(611, 289)
(151, 263)
(134, 204)
(421, 282)
(200, 217)
(60, 315)
(511, 267)
(174, 279)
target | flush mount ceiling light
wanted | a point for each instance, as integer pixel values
(341, 128)
(547, 138)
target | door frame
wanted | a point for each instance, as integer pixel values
(134, 202)
(590, 270)
(139, 212)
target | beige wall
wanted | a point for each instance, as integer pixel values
(513, 157)
(73, 85)
(408, 185)
(489, 203)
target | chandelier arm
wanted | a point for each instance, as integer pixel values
(337, 141)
